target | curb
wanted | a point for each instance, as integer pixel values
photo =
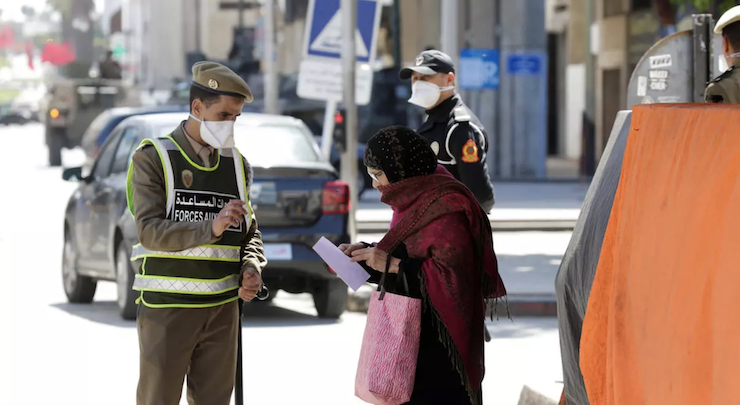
(520, 305)
(500, 226)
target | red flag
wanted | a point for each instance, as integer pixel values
(57, 54)
(29, 52)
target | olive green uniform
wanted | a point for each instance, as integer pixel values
(176, 339)
(725, 88)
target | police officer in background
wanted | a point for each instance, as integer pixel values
(200, 246)
(453, 132)
(726, 87)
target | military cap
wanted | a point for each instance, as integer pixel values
(730, 16)
(218, 79)
(428, 63)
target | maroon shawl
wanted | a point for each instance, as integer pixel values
(440, 220)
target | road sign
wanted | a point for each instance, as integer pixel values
(479, 69)
(324, 30)
(524, 64)
(320, 72)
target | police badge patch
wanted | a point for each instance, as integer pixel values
(419, 61)
(470, 152)
(187, 178)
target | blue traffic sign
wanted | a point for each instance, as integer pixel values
(479, 69)
(325, 29)
(524, 64)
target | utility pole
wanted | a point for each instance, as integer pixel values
(241, 14)
(589, 121)
(448, 32)
(198, 45)
(270, 67)
(349, 61)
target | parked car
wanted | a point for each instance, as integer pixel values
(364, 182)
(101, 127)
(295, 195)
(9, 115)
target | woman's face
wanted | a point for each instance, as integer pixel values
(378, 176)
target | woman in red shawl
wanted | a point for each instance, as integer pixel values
(441, 241)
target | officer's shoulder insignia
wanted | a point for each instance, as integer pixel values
(212, 83)
(461, 114)
(727, 73)
(187, 178)
(470, 152)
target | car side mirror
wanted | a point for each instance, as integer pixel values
(72, 174)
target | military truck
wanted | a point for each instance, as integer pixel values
(72, 104)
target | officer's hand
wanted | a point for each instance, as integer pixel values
(232, 214)
(251, 284)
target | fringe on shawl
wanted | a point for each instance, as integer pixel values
(446, 339)
(487, 284)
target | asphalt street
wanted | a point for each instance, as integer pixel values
(52, 352)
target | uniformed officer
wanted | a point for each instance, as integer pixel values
(726, 87)
(454, 133)
(200, 249)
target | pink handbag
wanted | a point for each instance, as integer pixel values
(387, 367)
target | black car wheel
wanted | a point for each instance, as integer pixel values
(79, 289)
(330, 298)
(124, 281)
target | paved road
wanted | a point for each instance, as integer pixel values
(52, 352)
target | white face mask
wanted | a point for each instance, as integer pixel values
(723, 66)
(219, 134)
(426, 94)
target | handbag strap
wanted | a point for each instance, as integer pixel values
(384, 280)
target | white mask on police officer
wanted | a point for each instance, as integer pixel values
(219, 134)
(426, 94)
(723, 65)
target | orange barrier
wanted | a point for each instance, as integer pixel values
(662, 325)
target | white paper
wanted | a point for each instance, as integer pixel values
(350, 272)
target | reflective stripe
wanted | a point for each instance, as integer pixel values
(206, 252)
(186, 286)
(239, 174)
(169, 173)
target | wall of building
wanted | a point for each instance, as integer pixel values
(217, 27)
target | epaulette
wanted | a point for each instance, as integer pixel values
(461, 114)
(727, 73)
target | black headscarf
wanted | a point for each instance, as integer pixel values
(400, 153)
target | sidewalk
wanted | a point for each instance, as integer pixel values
(528, 261)
(519, 207)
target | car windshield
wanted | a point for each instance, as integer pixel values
(271, 144)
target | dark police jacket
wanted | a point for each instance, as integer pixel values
(458, 139)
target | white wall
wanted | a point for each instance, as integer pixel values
(575, 99)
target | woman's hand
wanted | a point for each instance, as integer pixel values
(348, 248)
(375, 259)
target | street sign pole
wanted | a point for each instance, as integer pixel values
(448, 32)
(271, 74)
(328, 128)
(349, 157)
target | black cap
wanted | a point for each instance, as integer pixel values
(428, 63)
